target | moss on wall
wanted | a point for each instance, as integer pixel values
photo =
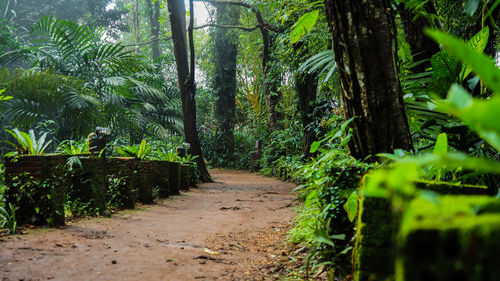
(452, 238)
(375, 251)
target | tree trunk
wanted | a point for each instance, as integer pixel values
(154, 22)
(363, 36)
(226, 51)
(422, 47)
(272, 84)
(307, 85)
(137, 35)
(186, 80)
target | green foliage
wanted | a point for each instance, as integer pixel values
(71, 147)
(8, 218)
(330, 204)
(304, 25)
(324, 60)
(27, 142)
(2, 97)
(115, 195)
(142, 151)
(34, 199)
(88, 81)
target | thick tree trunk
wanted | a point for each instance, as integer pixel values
(226, 51)
(154, 22)
(307, 85)
(422, 47)
(365, 55)
(186, 81)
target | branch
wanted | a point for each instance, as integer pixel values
(228, 27)
(148, 42)
(217, 2)
(262, 24)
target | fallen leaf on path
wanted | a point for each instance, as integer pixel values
(210, 252)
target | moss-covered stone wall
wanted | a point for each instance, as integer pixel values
(35, 181)
(452, 238)
(374, 252)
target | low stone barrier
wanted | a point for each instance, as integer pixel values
(39, 186)
(374, 253)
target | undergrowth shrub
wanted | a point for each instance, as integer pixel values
(323, 222)
(34, 198)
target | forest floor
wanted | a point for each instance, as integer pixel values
(242, 217)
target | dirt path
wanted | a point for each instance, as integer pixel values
(242, 217)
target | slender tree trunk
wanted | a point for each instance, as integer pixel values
(272, 81)
(137, 35)
(154, 22)
(365, 53)
(307, 85)
(422, 47)
(226, 52)
(272, 84)
(186, 80)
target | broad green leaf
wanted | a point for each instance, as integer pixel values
(478, 43)
(303, 25)
(441, 146)
(445, 65)
(454, 160)
(314, 146)
(481, 64)
(351, 206)
(322, 237)
(471, 6)
(482, 116)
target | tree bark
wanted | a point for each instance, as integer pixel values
(226, 52)
(307, 85)
(186, 80)
(154, 22)
(272, 84)
(365, 54)
(422, 47)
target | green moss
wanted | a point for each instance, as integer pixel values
(452, 188)
(448, 240)
(373, 252)
(376, 224)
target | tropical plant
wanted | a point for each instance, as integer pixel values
(170, 155)
(27, 142)
(42, 96)
(2, 97)
(73, 147)
(8, 218)
(478, 114)
(142, 151)
(129, 96)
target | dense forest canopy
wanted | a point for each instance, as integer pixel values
(329, 90)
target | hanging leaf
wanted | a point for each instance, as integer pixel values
(441, 146)
(481, 64)
(470, 6)
(444, 65)
(351, 206)
(480, 115)
(478, 43)
(314, 146)
(304, 25)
